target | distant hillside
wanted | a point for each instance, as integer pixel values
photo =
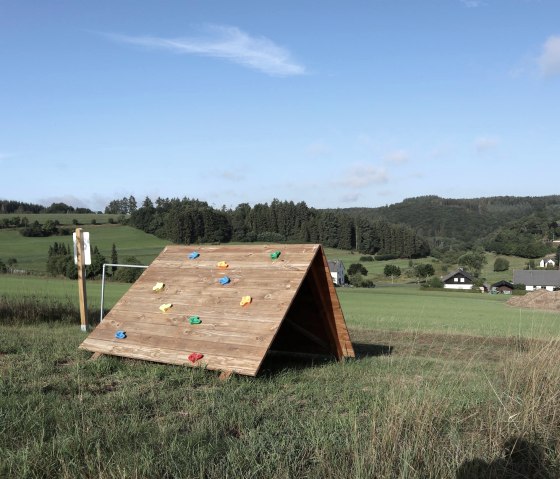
(463, 219)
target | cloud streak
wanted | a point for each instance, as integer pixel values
(485, 144)
(471, 3)
(363, 175)
(229, 43)
(549, 60)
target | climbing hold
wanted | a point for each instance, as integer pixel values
(194, 255)
(158, 287)
(165, 307)
(224, 280)
(245, 300)
(195, 320)
(120, 335)
(194, 357)
(275, 255)
(222, 265)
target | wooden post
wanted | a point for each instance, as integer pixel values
(81, 278)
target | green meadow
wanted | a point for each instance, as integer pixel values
(32, 253)
(454, 385)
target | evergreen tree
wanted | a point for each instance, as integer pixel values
(114, 258)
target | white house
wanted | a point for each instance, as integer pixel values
(537, 279)
(547, 263)
(337, 271)
(459, 279)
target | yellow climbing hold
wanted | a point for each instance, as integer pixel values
(165, 307)
(245, 300)
(222, 265)
(158, 287)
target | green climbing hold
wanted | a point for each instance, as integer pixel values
(195, 320)
(275, 255)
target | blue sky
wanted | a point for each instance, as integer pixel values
(338, 104)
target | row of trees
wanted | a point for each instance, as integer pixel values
(124, 206)
(189, 221)
(18, 207)
(60, 262)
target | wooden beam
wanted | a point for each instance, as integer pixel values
(81, 278)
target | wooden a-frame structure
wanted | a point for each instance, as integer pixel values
(194, 315)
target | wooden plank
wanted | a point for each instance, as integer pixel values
(339, 321)
(181, 342)
(161, 355)
(219, 333)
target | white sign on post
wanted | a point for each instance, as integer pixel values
(87, 249)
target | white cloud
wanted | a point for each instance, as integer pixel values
(549, 60)
(398, 157)
(70, 200)
(363, 175)
(484, 144)
(471, 3)
(230, 43)
(318, 149)
(350, 198)
(230, 175)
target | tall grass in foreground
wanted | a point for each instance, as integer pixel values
(36, 309)
(393, 416)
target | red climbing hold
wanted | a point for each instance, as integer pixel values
(194, 357)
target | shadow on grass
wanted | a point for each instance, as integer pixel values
(279, 361)
(365, 350)
(521, 459)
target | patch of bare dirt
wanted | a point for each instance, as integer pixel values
(541, 299)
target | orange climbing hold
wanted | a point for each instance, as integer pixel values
(245, 301)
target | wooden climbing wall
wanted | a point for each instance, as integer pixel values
(292, 295)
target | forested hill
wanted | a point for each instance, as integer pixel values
(190, 221)
(462, 219)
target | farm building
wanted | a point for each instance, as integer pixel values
(537, 279)
(503, 286)
(337, 270)
(226, 307)
(459, 279)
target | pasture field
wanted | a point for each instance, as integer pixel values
(407, 308)
(444, 385)
(32, 253)
(375, 268)
(61, 289)
(412, 405)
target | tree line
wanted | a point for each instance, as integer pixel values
(19, 207)
(520, 226)
(186, 221)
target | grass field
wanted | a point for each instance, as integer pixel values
(61, 289)
(411, 405)
(444, 385)
(406, 308)
(32, 253)
(375, 268)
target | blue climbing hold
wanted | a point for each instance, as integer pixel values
(120, 335)
(194, 255)
(224, 280)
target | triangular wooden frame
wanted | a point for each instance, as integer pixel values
(294, 308)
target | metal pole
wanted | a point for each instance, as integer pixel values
(102, 292)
